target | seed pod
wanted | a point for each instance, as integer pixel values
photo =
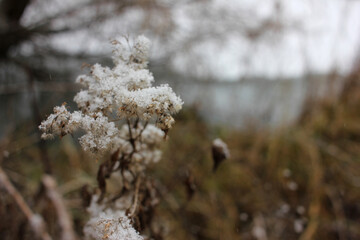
(220, 152)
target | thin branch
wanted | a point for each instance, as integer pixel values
(44, 27)
(44, 23)
(136, 197)
(115, 120)
(338, 210)
(56, 199)
(132, 140)
(142, 130)
(36, 221)
(136, 122)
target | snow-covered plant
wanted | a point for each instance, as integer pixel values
(110, 223)
(124, 115)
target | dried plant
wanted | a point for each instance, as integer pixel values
(220, 152)
(121, 114)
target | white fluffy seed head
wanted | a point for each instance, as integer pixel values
(125, 92)
(110, 223)
(110, 95)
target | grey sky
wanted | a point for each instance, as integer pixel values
(312, 36)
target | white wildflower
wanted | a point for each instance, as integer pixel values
(118, 110)
(107, 223)
(124, 92)
(147, 148)
(142, 48)
(152, 136)
(155, 102)
(112, 225)
(56, 123)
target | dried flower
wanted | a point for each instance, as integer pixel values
(220, 152)
(124, 91)
(107, 223)
(110, 98)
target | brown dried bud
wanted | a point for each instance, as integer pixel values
(220, 152)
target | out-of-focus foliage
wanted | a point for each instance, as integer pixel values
(296, 182)
(300, 182)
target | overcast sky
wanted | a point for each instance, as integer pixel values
(321, 36)
(315, 37)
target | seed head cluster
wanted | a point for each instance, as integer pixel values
(122, 114)
(112, 94)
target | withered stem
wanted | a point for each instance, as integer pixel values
(56, 199)
(136, 196)
(142, 130)
(132, 140)
(38, 229)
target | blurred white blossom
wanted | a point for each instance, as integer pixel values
(293, 186)
(298, 225)
(300, 210)
(243, 217)
(109, 223)
(286, 172)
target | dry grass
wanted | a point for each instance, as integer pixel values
(321, 151)
(252, 190)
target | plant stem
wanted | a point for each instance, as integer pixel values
(36, 221)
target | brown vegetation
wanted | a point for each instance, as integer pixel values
(299, 182)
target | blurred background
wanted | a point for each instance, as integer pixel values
(276, 79)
